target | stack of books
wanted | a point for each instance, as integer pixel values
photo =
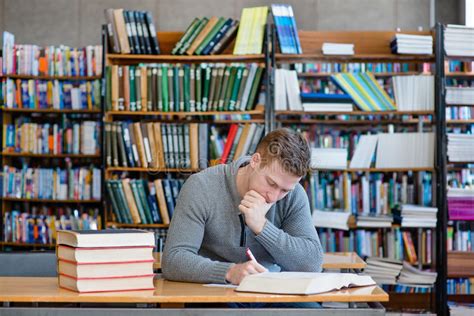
(105, 260)
(323, 102)
(383, 270)
(418, 216)
(412, 44)
(460, 203)
(206, 36)
(366, 92)
(460, 147)
(131, 32)
(460, 95)
(287, 32)
(459, 40)
(374, 221)
(251, 31)
(329, 158)
(411, 276)
(338, 49)
(331, 219)
(414, 93)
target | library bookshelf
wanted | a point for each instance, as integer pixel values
(212, 117)
(22, 154)
(371, 47)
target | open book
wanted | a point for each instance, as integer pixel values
(301, 282)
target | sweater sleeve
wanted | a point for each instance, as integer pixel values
(295, 246)
(181, 261)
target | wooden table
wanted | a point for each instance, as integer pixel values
(168, 295)
(331, 260)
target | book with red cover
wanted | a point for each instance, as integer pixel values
(107, 284)
(229, 142)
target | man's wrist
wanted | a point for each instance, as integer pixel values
(260, 228)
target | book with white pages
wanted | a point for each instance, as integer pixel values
(327, 107)
(303, 283)
(331, 219)
(329, 158)
(364, 152)
(293, 90)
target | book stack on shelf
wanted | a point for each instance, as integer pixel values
(105, 261)
(338, 49)
(131, 32)
(49, 115)
(412, 44)
(458, 40)
(387, 161)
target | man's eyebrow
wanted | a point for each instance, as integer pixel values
(284, 189)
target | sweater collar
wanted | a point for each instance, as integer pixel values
(231, 178)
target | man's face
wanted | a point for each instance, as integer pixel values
(271, 181)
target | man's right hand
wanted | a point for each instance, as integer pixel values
(239, 271)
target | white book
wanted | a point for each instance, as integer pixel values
(293, 90)
(329, 219)
(301, 282)
(106, 238)
(364, 152)
(107, 284)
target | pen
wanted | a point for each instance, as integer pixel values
(250, 255)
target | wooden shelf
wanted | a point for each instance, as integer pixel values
(376, 74)
(461, 298)
(461, 162)
(289, 58)
(459, 122)
(350, 122)
(459, 105)
(409, 301)
(229, 58)
(120, 225)
(459, 58)
(9, 199)
(358, 113)
(459, 74)
(161, 170)
(46, 77)
(6, 110)
(183, 114)
(28, 155)
(26, 245)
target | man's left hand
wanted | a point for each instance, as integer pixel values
(254, 207)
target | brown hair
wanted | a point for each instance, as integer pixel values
(289, 148)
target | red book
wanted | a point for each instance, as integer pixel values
(228, 144)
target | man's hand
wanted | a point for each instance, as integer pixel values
(239, 271)
(254, 207)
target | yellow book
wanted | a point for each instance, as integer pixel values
(242, 33)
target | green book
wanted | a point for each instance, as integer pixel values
(255, 88)
(189, 31)
(133, 96)
(229, 88)
(243, 83)
(198, 89)
(217, 88)
(223, 88)
(112, 199)
(138, 89)
(144, 200)
(193, 36)
(164, 87)
(149, 89)
(206, 86)
(210, 35)
(108, 88)
(118, 187)
(159, 87)
(176, 70)
(192, 88)
(236, 88)
(138, 202)
(213, 88)
(186, 87)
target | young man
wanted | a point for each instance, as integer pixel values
(255, 202)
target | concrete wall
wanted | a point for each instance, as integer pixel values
(77, 22)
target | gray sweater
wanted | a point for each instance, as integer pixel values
(204, 237)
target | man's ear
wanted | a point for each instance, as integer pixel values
(255, 160)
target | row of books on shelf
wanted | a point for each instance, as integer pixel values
(460, 286)
(330, 67)
(393, 243)
(460, 147)
(460, 95)
(131, 32)
(52, 94)
(250, 36)
(24, 136)
(183, 88)
(459, 113)
(455, 66)
(206, 36)
(23, 59)
(285, 24)
(374, 193)
(406, 289)
(460, 203)
(136, 201)
(395, 272)
(40, 225)
(460, 237)
(460, 178)
(52, 183)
